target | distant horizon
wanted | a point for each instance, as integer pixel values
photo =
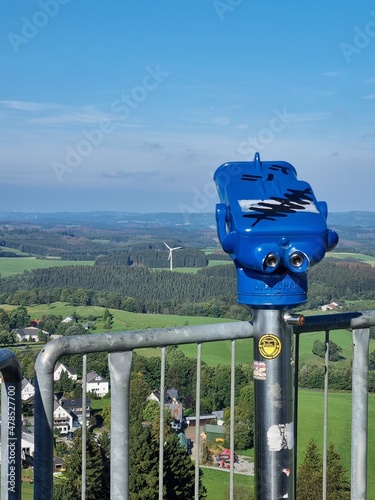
(36, 212)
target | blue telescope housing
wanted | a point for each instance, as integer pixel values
(273, 228)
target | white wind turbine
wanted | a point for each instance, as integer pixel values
(170, 256)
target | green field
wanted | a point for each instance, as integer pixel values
(15, 265)
(217, 483)
(360, 257)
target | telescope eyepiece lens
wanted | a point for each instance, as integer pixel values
(271, 260)
(296, 259)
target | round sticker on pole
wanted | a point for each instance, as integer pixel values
(269, 346)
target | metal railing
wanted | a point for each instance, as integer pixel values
(120, 346)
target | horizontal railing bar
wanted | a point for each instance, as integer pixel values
(337, 321)
(137, 339)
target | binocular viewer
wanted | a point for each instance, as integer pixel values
(273, 228)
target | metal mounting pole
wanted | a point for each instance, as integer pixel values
(359, 414)
(120, 368)
(273, 401)
(10, 426)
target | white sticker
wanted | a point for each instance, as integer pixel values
(280, 437)
(271, 205)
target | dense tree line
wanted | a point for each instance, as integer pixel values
(341, 280)
(153, 256)
(43, 243)
(172, 292)
(210, 292)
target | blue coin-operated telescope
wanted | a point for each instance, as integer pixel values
(273, 228)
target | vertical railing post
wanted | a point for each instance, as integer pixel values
(197, 420)
(43, 424)
(11, 426)
(120, 369)
(232, 417)
(359, 414)
(273, 401)
(325, 417)
(161, 430)
(84, 426)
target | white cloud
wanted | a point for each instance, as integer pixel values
(220, 121)
(311, 117)
(29, 106)
(371, 96)
(333, 74)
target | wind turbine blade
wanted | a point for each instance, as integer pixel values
(169, 248)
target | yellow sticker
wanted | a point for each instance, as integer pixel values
(269, 346)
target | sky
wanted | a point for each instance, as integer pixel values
(132, 105)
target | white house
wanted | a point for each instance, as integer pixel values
(27, 445)
(329, 307)
(62, 418)
(97, 384)
(27, 389)
(68, 319)
(74, 407)
(23, 334)
(59, 368)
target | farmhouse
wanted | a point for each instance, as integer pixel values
(27, 389)
(29, 333)
(59, 368)
(97, 384)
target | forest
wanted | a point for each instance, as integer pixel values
(211, 291)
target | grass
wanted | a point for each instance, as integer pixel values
(360, 257)
(10, 266)
(310, 423)
(217, 483)
(213, 353)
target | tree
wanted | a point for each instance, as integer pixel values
(64, 384)
(152, 411)
(144, 464)
(179, 471)
(310, 475)
(338, 485)
(372, 361)
(97, 485)
(7, 338)
(310, 479)
(19, 318)
(334, 350)
(243, 420)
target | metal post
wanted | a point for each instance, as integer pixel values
(325, 418)
(273, 398)
(43, 424)
(359, 414)
(197, 420)
(296, 373)
(120, 368)
(161, 424)
(232, 417)
(84, 426)
(11, 426)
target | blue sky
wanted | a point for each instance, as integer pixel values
(133, 105)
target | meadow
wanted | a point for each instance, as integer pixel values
(310, 420)
(16, 265)
(360, 257)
